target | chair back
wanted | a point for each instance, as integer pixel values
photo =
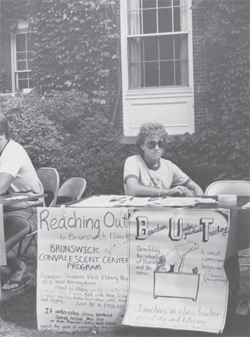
(237, 187)
(73, 189)
(50, 179)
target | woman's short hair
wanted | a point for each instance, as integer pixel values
(150, 129)
(4, 126)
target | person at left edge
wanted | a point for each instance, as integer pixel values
(17, 175)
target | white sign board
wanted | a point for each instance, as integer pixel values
(176, 274)
(82, 268)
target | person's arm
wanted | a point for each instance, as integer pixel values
(191, 185)
(137, 190)
(5, 181)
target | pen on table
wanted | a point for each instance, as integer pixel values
(156, 198)
(117, 199)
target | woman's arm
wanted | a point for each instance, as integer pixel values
(134, 188)
(191, 185)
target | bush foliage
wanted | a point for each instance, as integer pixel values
(89, 148)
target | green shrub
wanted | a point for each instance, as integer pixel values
(31, 128)
(74, 143)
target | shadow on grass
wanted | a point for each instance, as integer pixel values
(18, 312)
(21, 308)
(235, 327)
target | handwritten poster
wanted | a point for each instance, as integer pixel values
(176, 274)
(82, 268)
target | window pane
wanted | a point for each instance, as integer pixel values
(133, 4)
(177, 26)
(151, 74)
(149, 16)
(21, 65)
(182, 72)
(176, 2)
(166, 48)
(135, 63)
(165, 20)
(150, 48)
(180, 17)
(149, 21)
(148, 3)
(134, 17)
(135, 50)
(22, 76)
(181, 47)
(167, 73)
(22, 84)
(21, 56)
(164, 3)
(20, 42)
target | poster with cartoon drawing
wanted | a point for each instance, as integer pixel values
(176, 274)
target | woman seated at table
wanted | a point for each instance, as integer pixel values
(17, 174)
(147, 174)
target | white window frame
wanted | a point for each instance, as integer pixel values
(161, 97)
(22, 28)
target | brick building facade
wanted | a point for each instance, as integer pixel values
(199, 104)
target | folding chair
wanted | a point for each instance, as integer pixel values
(50, 180)
(237, 187)
(72, 189)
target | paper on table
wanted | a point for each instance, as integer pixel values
(100, 201)
(207, 201)
(247, 205)
(130, 201)
(174, 202)
(135, 202)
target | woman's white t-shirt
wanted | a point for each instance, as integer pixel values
(15, 161)
(167, 175)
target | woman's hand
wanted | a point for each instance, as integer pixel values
(180, 191)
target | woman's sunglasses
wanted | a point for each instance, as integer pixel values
(152, 144)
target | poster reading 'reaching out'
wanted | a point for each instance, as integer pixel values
(176, 274)
(82, 268)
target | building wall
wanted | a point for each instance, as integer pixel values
(200, 70)
(200, 99)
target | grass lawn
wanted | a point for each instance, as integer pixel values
(18, 315)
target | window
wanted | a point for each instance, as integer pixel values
(157, 43)
(23, 62)
(21, 51)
